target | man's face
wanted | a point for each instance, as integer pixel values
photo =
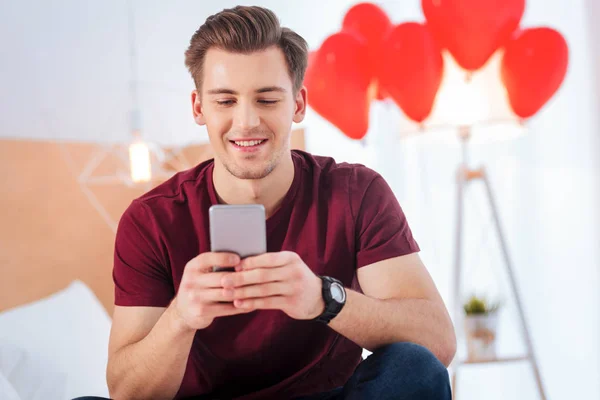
(248, 105)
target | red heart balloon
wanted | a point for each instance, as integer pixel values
(472, 30)
(533, 67)
(411, 69)
(373, 24)
(337, 80)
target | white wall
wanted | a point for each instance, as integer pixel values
(65, 66)
(64, 75)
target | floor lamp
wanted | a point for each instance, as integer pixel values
(466, 175)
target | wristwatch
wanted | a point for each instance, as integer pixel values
(334, 295)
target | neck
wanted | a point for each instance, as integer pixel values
(268, 191)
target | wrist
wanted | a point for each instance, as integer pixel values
(176, 321)
(333, 296)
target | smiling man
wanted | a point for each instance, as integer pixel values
(342, 271)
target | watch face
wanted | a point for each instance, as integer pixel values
(337, 292)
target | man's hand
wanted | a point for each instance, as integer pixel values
(276, 281)
(200, 296)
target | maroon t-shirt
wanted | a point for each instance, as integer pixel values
(337, 217)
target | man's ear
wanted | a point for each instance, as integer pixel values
(197, 108)
(300, 111)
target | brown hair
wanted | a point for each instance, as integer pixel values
(245, 30)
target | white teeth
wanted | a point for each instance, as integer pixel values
(248, 143)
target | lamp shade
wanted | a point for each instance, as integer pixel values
(478, 100)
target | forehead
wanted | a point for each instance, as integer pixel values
(245, 72)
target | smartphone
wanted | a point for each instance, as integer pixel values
(240, 229)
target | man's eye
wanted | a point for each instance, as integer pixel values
(268, 101)
(224, 102)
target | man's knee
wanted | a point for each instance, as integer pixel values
(403, 370)
(416, 367)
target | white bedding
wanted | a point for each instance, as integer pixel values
(55, 348)
(7, 390)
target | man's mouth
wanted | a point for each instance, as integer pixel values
(248, 143)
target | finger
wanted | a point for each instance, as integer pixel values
(205, 261)
(222, 310)
(216, 295)
(262, 290)
(262, 303)
(268, 260)
(255, 276)
(210, 279)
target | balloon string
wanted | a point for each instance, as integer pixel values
(468, 76)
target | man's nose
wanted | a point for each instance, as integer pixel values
(246, 116)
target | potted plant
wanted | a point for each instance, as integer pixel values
(481, 323)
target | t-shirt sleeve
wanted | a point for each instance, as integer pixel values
(382, 230)
(140, 274)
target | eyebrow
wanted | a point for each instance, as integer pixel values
(271, 89)
(265, 89)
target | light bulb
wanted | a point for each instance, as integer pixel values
(139, 161)
(462, 102)
(463, 98)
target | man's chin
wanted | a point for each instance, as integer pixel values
(250, 172)
(252, 175)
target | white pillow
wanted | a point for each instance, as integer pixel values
(7, 391)
(27, 377)
(67, 331)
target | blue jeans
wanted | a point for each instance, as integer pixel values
(398, 371)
